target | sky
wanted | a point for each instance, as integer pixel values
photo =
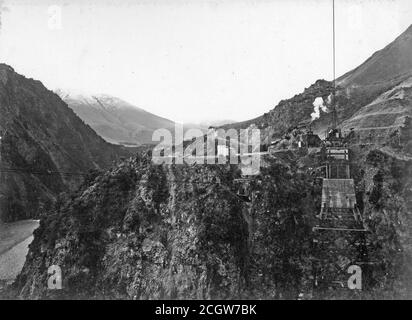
(197, 60)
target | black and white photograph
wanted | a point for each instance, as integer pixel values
(205, 156)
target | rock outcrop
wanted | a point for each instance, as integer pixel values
(142, 231)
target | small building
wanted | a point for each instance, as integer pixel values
(313, 140)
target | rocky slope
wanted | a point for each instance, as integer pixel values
(374, 98)
(384, 68)
(42, 137)
(388, 115)
(384, 186)
(114, 119)
(387, 78)
(290, 112)
(142, 231)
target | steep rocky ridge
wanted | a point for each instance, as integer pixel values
(375, 94)
(41, 135)
(385, 67)
(389, 114)
(144, 231)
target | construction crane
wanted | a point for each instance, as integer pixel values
(338, 187)
(339, 232)
(339, 210)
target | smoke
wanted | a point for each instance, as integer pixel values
(318, 105)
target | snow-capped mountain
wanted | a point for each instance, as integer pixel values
(116, 120)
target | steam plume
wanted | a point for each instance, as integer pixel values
(318, 105)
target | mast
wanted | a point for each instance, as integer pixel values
(334, 114)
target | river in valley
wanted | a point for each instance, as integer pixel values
(15, 238)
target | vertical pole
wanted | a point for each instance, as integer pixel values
(1, 176)
(334, 115)
(334, 46)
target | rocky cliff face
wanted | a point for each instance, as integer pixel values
(384, 190)
(142, 231)
(386, 118)
(43, 144)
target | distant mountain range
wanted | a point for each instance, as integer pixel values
(114, 119)
(361, 98)
(120, 122)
